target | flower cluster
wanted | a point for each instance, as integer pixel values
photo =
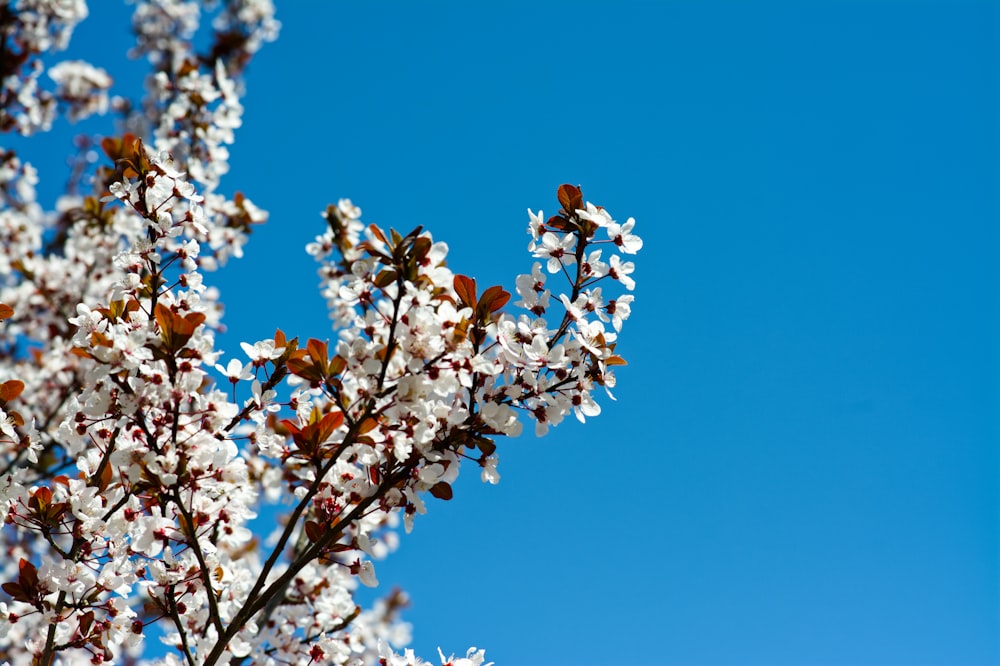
(30, 28)
(134, 462)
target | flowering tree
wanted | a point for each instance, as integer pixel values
(132, 460)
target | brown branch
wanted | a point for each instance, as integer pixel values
(251, 607)
(206, 576)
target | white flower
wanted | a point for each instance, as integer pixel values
(411, 388)
(148, 534)
(261, 399)
(558, 250)
(597, 215)
(366, 574)
(348, 209)
(473, 657)
(82, 86)
(622, 236)
(7, 426)
(235, 371)
(261, 352)
(620, 309)
(584, 405)
(531, 289)
(535, 224)
(490, 473)
(593, 267)
(621, 271)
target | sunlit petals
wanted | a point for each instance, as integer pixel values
(621, 271)
(557, 250)
(598, 216)
(536, 223)
(622, 236)
(236, 371)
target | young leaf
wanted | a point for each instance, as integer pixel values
(465, 287)
(570, 197)
(492, 300)
(9, 390)
(442, 490)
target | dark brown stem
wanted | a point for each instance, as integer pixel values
(252, 606)
(179, 624)
(581, 246)
(206, 576)
(49, 653)
(244, 414)
(390, 346)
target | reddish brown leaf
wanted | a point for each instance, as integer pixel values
(16, 593)
(301, 363)
(421, 246)
(304, 369)
(111, 146)
(465, 287)
(378, 233)
(107, 474)
(41, 498)
(116, 148)
(385, 278)
(86, 621)
(119, 309)
(10, 389)
(486, 445)
(26, 588)
(27, 574)
(367, 425)
(318, 352)
(291, 426)
(570, 197)
(336, 366)
(493, 299)
(558, 222)
(461, 330)
(442, 490)
(327, 425)
(98, 339)
(6, 312)
(175, 329)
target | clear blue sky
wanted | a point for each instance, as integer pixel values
(802, 464)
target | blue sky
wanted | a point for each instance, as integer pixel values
(802, 464)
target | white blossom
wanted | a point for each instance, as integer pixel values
(140, 478)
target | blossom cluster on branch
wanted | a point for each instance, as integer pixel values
(133, 461)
